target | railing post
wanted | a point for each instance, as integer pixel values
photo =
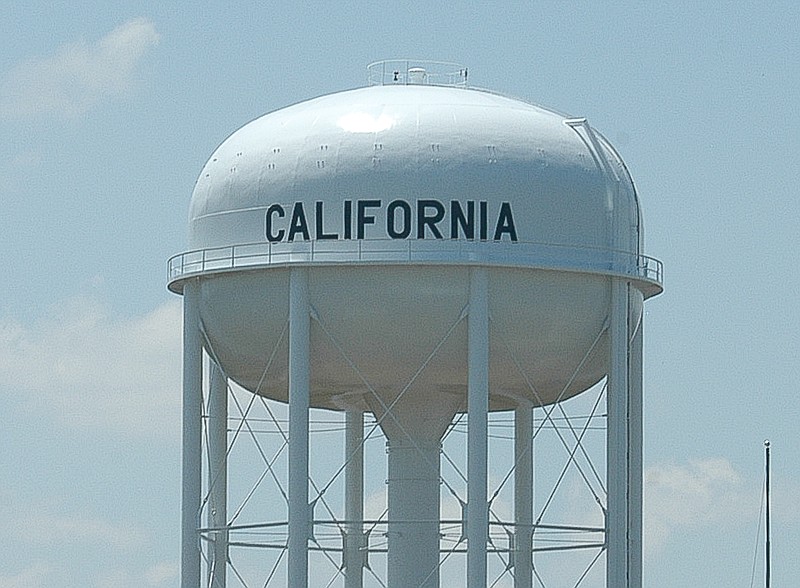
(516, 254)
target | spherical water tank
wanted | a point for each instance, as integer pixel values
(388, 195)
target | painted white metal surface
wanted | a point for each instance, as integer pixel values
(396, 227)
(413, 514)
(478, 433)
(523, 496)
(299, 374)
(191, 437)
(354, 547)
(624, 444)
(636, 457)
(218, 476)
(411, 178)
(413, 145)
(618, 439)
(548, 321)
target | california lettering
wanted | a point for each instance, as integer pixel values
(399, 219)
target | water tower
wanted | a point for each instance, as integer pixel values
(411, 252)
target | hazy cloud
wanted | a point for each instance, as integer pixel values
(86, 368)
(162, 574)
(44, 534)
(691, 496)
(35, 576)
(40, 527)
(158, 576)
(78, 75)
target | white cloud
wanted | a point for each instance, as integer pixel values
(45, 536)
(119, 577)
(375, 504)
(38, 527)
(78, 75)
(785, 507)
(702, 493)
(158, 576)
(35, 576)
(162, 574)
(83, 367)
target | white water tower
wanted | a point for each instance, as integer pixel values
(408, 252)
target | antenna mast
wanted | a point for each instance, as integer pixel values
(767, 553)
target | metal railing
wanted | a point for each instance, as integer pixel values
(401, 72)
(416, 251)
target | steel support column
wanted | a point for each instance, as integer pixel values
(218, 476)
(636, 443)
(299, 380)
(621, 569)
(477, 434)
(523, 496)
(191, 464)
(354, 500)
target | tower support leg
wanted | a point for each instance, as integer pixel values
(299, 380)
(191, 461)
(354, 554)
(218, 476)
(477, 435)
(523, 496)
(636, 440)
(624, 444)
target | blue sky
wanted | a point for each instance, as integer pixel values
(108, 111)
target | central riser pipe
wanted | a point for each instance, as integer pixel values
(414, 474)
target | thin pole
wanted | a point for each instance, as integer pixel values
(191, 461)
(299, 379)
(477, 434)
(768, 557)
